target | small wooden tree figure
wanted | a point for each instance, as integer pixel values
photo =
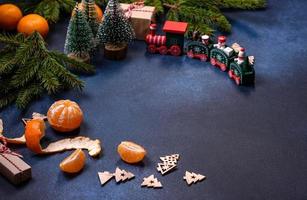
(115, 32)
(79, 37)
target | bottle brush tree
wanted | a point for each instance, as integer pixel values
(88, 7)
(115, 29)
(79, 37)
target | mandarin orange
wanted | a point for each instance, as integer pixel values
(9, 16)
(65, 115)
(33, 22)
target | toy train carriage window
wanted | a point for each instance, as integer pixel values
(175, 33)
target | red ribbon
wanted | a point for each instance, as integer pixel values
(5, 149)
(133, 6)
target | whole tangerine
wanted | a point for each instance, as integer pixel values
(65, 115)
(33, 22)
(9, 16)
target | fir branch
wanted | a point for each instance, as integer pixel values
(28, 70)
(72, 64)
(27, 94)
(243, 4)
(49, 9)
(6, 100)
(23, 75)
(70, 80)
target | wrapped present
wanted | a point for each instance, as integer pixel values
(141, 17)
(12, 166)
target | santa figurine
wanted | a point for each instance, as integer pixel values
(221, 42)
(241, 56)
(205, 39)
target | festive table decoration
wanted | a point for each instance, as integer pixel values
(205, 15)
(79, 38)
(151, 182)
(9, 16)
(168, 164)
(28, 70)
(119, 175)
(192, 177)
(65, 115)
(131, 152)
(90, 13)
(115, 32)
(74, 163)
(172, 43)
(105, 176)
(31, 23)
(141, 17)
(12, 166)
(122, 175)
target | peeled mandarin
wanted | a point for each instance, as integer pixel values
(131, 152)
(73, 163)
(65, 115)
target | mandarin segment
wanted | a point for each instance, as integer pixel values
(73, 163)
(65, 115)
(131, 152)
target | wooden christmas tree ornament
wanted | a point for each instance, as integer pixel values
(122, 175)
(119, 175)
(105, 176)
(192, 177)
(151, 182)
(168, 163)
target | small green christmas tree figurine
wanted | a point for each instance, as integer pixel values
(88, 7)
(79, 38)
(115, 31)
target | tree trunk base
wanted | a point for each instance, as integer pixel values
(85, 59)
(115, 52)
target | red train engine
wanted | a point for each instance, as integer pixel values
(172, 42)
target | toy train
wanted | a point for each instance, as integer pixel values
(232, 59)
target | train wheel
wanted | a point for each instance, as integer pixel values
(163, 50)
(213, 61)
(230, 74)
(175, 50)
(151, 48)
(238, 80)
(203, 58)
(190, 54)
(223, 67)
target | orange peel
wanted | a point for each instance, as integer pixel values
(35, 131)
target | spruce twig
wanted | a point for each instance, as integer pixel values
(28, 70)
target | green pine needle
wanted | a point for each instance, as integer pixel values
(28, 70)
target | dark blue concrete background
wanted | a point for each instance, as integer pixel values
(251, 142)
